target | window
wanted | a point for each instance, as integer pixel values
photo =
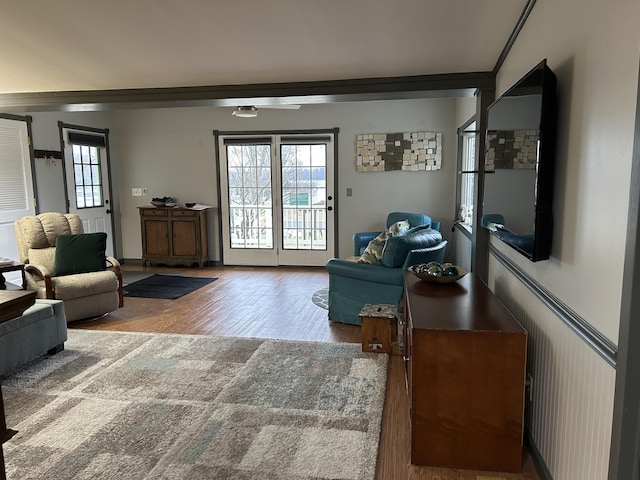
(467, 167)
(86, 171)
(16, 188)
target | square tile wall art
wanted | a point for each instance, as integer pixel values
(508, 149)
(412, 151)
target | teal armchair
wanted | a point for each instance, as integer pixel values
(352, 284)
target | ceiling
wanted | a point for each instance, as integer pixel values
(85, 46)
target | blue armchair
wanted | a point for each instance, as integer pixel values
(352, 284)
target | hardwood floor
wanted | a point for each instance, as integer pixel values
(276, 303)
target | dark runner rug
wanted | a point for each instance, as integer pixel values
(165, 286)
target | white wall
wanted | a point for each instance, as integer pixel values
(171, 152)
(595, 58)
(46, 136)
(594, 49)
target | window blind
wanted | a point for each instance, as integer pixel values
(13, 160)
(77, 138)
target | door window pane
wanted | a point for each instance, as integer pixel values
(249, 180)
(87, 178)
(304, 172)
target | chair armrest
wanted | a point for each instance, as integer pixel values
(426, 255)
(40, 272)
(365, 271)
(113, 261)
(361, 240)
(115, 266)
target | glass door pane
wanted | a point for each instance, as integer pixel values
(250, 198)
(304, 195)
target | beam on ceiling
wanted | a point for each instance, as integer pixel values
(328, 91)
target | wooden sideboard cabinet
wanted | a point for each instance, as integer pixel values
(174, 236)
(465, 359)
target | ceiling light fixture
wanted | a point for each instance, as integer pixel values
(245, 112)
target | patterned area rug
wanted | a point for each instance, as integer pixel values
(148, 406)
(321, 298)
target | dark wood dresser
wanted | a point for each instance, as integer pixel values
(465, 358)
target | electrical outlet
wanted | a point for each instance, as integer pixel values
(349, 192)
(136, 192)
(144, 192)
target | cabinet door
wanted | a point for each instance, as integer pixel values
(156, 237)
(185, 237)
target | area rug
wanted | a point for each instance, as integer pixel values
(165, 286)
(321, 298)
(159, 406)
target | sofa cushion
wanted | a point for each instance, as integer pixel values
(397, 248)
(81, 253)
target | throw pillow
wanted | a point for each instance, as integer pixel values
(373, 253)
(399, 228)
(80, 253)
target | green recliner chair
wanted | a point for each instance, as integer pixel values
(352, 284)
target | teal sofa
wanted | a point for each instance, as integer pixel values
(352, 284)
(41, 329)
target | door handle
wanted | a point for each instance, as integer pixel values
(108, 211)
(329, 208)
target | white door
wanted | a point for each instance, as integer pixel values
(88, 181)
(278, 194)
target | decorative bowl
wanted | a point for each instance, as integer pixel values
(158, 203)
(190, 204)
(419, 271)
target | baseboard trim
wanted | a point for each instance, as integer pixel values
(592, 337)
(138, 261)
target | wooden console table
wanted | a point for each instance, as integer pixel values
(465, 357)
(174, 235)
(12, 305)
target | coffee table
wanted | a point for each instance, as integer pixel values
(12, 305)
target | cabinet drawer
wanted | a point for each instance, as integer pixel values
(183, 213)
(151, 212)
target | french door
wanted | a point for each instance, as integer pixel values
(277, 199)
